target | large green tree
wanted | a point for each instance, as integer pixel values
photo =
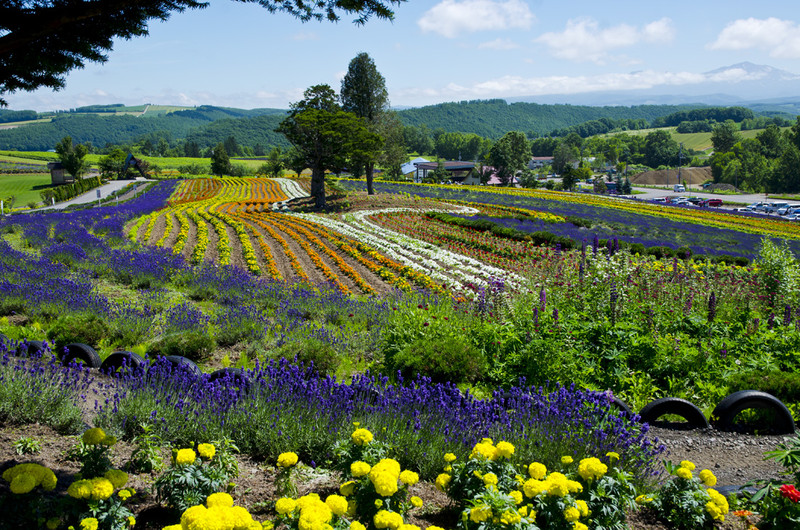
(364, 94)
(325, 137)
(724, 136)
(220, 161)
(660, 149)
(510, 154)
(42, 40)
(72, 157)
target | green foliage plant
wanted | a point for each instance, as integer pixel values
(779, 270)
(85, 327)
(146, 458)
(778, 501)
(191, 478)
(27, 446)
(26, 507)
(687, 501)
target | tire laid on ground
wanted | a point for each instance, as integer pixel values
(679, 407)
(81, 353)
(31, 347)
(232, 377)
(732, 405)
(115, 362)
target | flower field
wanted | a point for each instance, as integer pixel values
(436, 316)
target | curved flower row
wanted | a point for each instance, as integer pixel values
(183, 231)
(169, 218)
(199, 250)
(248, 252)
(293, 261)
(223, 243)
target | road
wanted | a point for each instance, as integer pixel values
(744, 198)
(91, 196)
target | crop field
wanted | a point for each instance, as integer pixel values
(437, 316)
(25, 187)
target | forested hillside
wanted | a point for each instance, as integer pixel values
(493, 118)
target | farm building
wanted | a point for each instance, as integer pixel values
(59, 175)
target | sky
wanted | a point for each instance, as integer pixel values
(239, 55)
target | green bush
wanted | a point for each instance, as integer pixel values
(442, 358)
(783, 385)
(194, 345)
(86, 328)
(310, 350)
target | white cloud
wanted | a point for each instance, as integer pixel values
(781, 38)
(498, 44)
(450, 18)
(584, 40)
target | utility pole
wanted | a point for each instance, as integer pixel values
(680, 162)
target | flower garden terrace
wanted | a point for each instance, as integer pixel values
(207, 269)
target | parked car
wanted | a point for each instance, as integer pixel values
(714, 203)
(773, 207)
(695, 200)
(660, 199)
(679, 188)
(789, 208)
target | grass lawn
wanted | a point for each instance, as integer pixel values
(25, 187)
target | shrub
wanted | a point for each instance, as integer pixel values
(783, 385)
(684, 502)
(194, 345)
(86, 328)
(442, 358)
(308, 350)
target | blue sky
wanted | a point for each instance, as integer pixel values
(239, 55)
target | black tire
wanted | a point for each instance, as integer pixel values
(671, 405)
(30, 348)
(725, 413)
(231, 377)
(182, 363)
(620, 405)
(122, 359)
(80, 353)
(171, 367)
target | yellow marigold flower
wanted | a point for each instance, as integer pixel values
(592, 468)
(266, 525)
(448, 469)
(409, 477)
(52, 523)
(408, 527)
(688, 465)
(574, 486)
(480, 513)
(684, 473)
(287, 459)
(484, 451)
(207, 451)
(49, 480)
(23, 483)
(285, 505)
(490, 479)
(714, 511)
(612, 456)
(124, 494)
(582, 507)
(572, 514)
(534, 487)
(378, 503)
(361, 437)
(416, 502)
(386, 519)
(443, 481)
(579, 526)
(102, 488)
(219, 499)
(537, 470)
(359, 469)
(708, 478)
(348, 488)
(434, 527)
(566, 460)
(109, 440)
(117, 477)
(185, 456)
(384, 482)
(90, 523)
(80, 489)
(517, 496)
(355, 525)
(337, 504)
(487, 441)
(93, 436)
(131, 521)
(643, 499)
(505, 450)
(510, 517)
(557, 485)
(449, 457)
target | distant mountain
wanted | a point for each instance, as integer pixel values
(737, 84)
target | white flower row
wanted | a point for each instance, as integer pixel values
(291, 188)
(445, 267)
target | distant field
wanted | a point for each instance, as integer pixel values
(696, 141)
(25, 188)
(12, 124)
